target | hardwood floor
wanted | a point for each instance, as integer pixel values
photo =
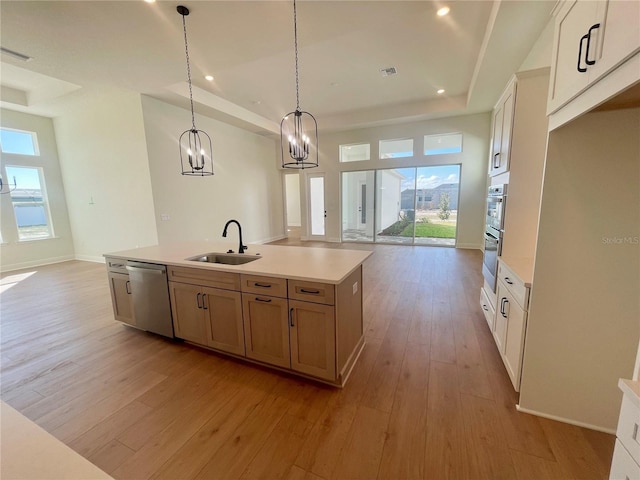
(429, 397)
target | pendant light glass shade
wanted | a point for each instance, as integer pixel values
(298, 129)
(196, 154)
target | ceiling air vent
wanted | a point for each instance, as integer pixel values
(14, 54)
(387, 72)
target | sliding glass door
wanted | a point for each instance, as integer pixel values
(415, 206)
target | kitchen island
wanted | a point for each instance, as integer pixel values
(295, 309)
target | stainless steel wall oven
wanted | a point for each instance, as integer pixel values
(493, 232)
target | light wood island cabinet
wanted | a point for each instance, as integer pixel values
(120, 289)
(295, 309)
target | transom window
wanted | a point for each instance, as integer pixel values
(355, 153)
(396, 148)
(18, 142)
(442, 143)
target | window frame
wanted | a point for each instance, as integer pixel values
(413, 148)
(424, 141)
(34, 141)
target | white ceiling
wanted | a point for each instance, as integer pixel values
(248, 47)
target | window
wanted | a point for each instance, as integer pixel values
(355, 153)
(396, 148)
(18, 141)
(442, 144)
(30, 204)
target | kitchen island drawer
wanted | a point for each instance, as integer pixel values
(273, 286)
(205, 277)
(514, 285)
(628, 431)
(312, 292)
(488, 309)
(116, 265)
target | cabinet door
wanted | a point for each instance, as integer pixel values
(266, 329)
(496, 140)
(121, 297)
(572, 23)
(313, 339)
(225, 330)
(188, 314)
(502, 317)
(514, 342)
(617, 38)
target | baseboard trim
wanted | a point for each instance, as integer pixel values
(90, 258)
(473, 246)
(566, 420)
(268, 240)
(36, 263)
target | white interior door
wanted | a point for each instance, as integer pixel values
(317, 210)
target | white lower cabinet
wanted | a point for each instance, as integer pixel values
(510, 321)
(625, 464)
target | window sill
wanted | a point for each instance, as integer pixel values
(30, 240)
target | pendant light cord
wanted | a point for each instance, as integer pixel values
(186, 50)
(295, 42)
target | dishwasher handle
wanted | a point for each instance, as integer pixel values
(150, 271)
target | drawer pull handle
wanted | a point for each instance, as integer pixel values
(581, 69)
(311, 292)
(127, 287)
(508, 280)
(503, 302)
(265, 300)
(117, 265)
(291, 319)
(262, 285)
(484, 307)
(204, 302)
(635, 432)
(198, 300)
(496, 160)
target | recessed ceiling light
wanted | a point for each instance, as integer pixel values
(256, 102)
(443, 11)
(441, 91)
(150, 1)
(207, 77)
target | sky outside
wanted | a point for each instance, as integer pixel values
(26, 178)
(429, 177)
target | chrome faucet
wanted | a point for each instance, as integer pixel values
(241, 247)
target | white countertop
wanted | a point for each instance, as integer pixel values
(522, 267)
(328, 265)
(28, 452)
(631, 388)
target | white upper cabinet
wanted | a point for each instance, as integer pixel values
(501, 130)
(591, 39)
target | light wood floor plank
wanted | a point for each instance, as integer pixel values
(428, 398)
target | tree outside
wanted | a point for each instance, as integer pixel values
(445, 211)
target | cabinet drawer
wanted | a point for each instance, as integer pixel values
(207, 278)
(488, 309)
(628, 431)
(116, 265)
(275, 287)
(514, 285)
(312, 292)
(623, 466)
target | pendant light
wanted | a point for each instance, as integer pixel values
(196, 156)
(298, 129)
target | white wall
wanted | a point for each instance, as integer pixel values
(473, 177)
(103, 156)
(246, 185)
(583, 326)
(540, 54)
(15, 254)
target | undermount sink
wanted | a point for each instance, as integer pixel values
(224, 258)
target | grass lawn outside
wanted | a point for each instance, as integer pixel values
(432, 230)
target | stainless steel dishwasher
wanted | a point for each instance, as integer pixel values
(150, 294)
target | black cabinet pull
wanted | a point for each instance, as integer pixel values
(198, 300)
(265, 300)
(261, 285)
(502, 306)
(312, 292)
(127, 287)
(484, 307)
(204, 302)
(508, 280)
(585, 37)
(291, 318)
(496, 160)
(586, 55)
